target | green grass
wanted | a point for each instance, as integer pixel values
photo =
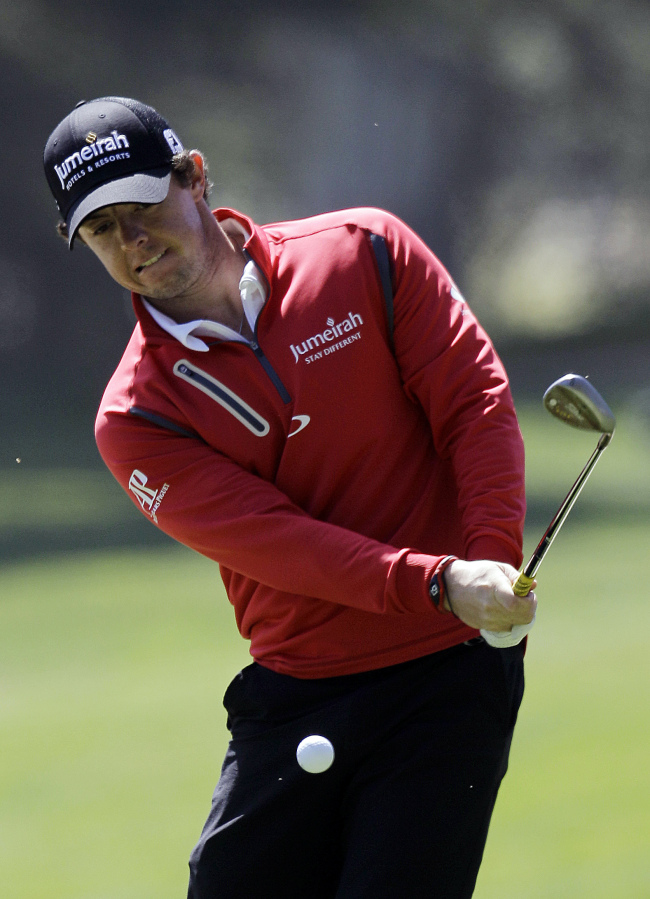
(112, 668)
(573, 816)
(113, 665)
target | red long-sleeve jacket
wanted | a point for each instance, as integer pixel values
(326, 471)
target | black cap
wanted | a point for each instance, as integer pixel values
(110, 150)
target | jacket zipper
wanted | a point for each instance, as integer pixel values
(270, 371)
(257, 349)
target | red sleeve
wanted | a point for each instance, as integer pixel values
(450, 367)
(209, 503)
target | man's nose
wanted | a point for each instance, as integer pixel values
(132, 232)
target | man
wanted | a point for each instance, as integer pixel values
(313, 405)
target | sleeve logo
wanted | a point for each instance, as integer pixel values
(148, 498)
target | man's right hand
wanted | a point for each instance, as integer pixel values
(481, 595)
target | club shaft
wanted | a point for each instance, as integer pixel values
(561, 514)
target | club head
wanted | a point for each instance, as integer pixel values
(575, 401)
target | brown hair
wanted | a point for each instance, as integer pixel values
(183, 167)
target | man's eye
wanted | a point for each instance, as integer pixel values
(101, 228)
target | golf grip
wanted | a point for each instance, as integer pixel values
(522, 585)
(504, 639)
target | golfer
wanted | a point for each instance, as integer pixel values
(313, 405)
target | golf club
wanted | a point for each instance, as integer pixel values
(576, 402)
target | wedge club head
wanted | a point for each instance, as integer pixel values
(575, 401)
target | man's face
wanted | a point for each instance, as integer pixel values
(161, 251)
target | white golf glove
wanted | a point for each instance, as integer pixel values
(503, 639)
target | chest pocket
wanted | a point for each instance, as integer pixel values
(224, 396)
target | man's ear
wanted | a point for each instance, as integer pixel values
(198, 175)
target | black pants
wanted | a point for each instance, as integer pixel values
(420, 751)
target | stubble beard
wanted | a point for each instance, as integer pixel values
(177, 286)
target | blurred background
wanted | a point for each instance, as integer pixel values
(515, 138)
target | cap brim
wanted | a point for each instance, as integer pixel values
(143, 187)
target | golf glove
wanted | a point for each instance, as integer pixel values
(503, 639)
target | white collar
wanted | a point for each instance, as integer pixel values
(253, 294)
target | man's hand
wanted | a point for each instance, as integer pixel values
(481, 595)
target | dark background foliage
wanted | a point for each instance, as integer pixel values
(513, 136)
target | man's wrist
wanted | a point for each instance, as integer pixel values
(438, 588)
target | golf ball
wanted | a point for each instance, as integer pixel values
(315, 754)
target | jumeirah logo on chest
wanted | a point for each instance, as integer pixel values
(333, 338)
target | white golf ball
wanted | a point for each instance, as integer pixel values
(315, 754)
